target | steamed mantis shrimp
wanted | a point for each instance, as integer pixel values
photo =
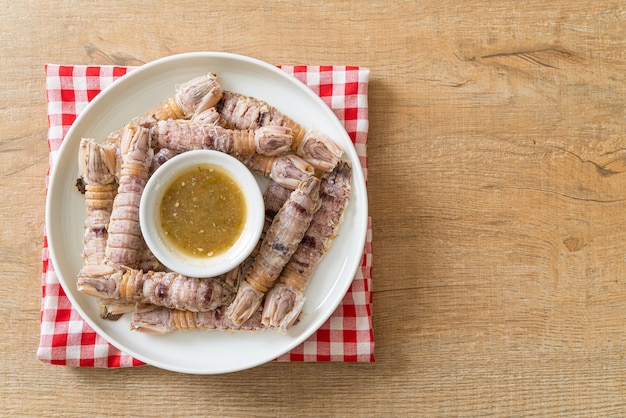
(183, 135)
(163, 321)
(302, 212)
(274, 198)
(168, 289)
(279, 243)
(192, 97)
(125, 243)
(288, 170)
(243, 112)
(285, 300)
(96, 164)
(161, 157)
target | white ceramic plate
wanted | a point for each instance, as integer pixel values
(202, 352)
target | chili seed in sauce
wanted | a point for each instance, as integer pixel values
(203, 211)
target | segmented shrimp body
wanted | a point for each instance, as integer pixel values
(243, 112)
(167, 289)
(125, 242)
(96, 164)
(319, 150)
(183, 135)
(161, 157)
(163, 321)
(274, 197)
(209, 116)
(287, 170)
(285, 300)
(280, 242)
(192, 97)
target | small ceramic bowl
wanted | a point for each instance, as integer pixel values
(162, 246)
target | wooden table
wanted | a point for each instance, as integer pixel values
(497, 188)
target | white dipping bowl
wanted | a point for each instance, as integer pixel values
(150, 218)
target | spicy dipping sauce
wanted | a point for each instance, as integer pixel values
(203, 211)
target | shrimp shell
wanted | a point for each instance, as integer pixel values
(284, 234)
(279, 243)
(96, 165)
(334, 195)
(161, 157)
(163, 321)
(319, 150)
(183, 135)
(193, 96)
(243, 112)
(167, 289)
(125, 241)
(285, 300)
(287, 170)
(274, 197)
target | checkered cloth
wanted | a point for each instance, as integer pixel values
(66, 339)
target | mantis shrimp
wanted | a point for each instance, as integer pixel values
(168, 289)
(96, 164)
(285, 300)
(288, 170)
(209, 116)
(319, 150)
(279, 243)
(243, 112)
(274, 198)
(192, 97)
(125, 241)
(184, 135)
(118, 267)
(161, 157)
(163, 321)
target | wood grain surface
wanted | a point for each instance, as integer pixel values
(497, 188)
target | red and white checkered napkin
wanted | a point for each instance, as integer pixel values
(66, 339)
